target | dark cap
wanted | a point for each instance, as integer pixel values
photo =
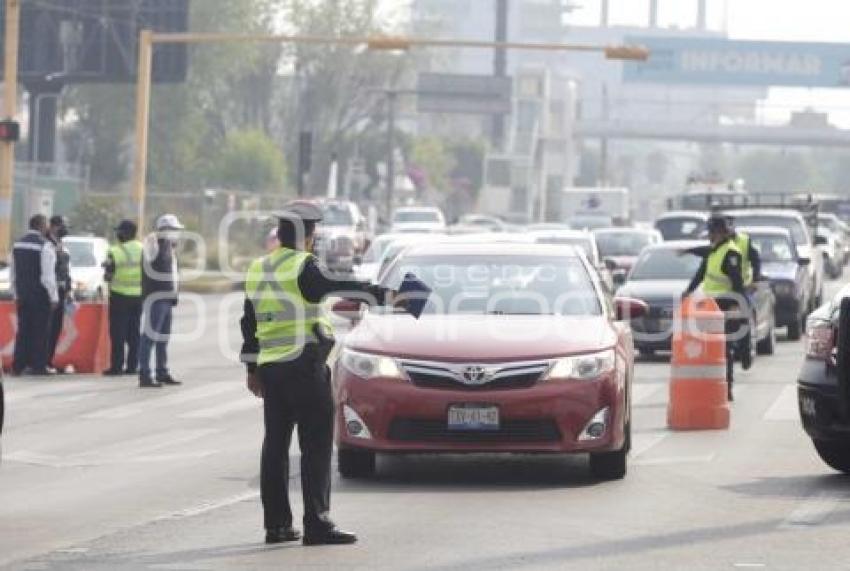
(718, 224)
(301, 210)
(59, 221)
(126, 227)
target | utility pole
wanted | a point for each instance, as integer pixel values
(391, 101)
(143, 111)
(10, 109)
(500, 66)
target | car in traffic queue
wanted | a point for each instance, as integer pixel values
(624, 245)
(518, 350)
(586, 242)
(418, 219)
(786, 270)
(807, 244)
(823, 383)
(370, 263)
(660, 276)
(833, 252)
(840, 230)
(342, 236)
(88, 255)
(683, 225)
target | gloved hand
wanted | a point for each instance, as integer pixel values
(382, 295)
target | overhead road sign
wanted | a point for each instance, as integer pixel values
(715, 61)
(454, 93)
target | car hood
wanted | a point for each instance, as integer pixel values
(780, 270)
(483, 338)
(653, 289)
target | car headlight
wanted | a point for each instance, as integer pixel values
(583, 367)
(783, 288)
(367, 366)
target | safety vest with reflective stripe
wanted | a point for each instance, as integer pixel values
(716, 282)
(285, 320)
(742, 241)
(127, 279)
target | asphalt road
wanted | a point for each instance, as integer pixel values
(98, 475)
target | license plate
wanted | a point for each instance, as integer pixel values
(473, 417)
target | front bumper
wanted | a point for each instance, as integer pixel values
(652, 333)
(786, 310)
(546, 417)
(819, 403)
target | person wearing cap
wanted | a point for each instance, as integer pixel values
(287, 341)
(123, 272)
(32, 277)
(160, 286)
(57, 230)
(720, 276)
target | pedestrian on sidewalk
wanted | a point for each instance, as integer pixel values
(160, 287)
(123, 272)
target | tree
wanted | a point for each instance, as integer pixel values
(430, 157)
(251, 161)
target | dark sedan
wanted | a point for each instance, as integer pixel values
(660, 275)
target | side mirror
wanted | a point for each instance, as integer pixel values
(803, 261)
(347, 309)
(610, 264)
(619, 277)
(629, 308)
(821, 241)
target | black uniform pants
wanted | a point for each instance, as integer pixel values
(737, 334)
(31, 340)
(57, 319)
(297, 393)
(125, 315)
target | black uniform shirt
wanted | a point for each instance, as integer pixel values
(731, 266)
(314, 286)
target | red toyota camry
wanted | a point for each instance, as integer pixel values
(519, 349)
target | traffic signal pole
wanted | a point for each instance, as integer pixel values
(148, 39)
(10, 109)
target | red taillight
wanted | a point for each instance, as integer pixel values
(819, 340)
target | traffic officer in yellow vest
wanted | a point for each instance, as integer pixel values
(123, 271)
(287, 341)
(750, 259)
(720, 276)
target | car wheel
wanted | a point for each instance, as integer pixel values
(795, 329)
(767, 346)
(354, 464)
(612, 465)
(835, 454)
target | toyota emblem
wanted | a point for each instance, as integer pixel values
(474, 375)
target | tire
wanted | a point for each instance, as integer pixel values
(835, 454)
(354, 464)
(795, 330)
(767, 346)
(646, 352)
(607, 466)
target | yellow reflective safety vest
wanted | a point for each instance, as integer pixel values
(742, 241)
(285, 320)
(127, 279)
(716, 282)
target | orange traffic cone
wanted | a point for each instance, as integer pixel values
(698, 390)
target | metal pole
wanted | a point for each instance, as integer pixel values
(10, 109)
(143, 108)
(500, 67)
(391, 98)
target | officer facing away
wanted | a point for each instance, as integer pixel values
(56, 232)
(32, 276)
(720, 276)
(286, 346)
(123, 272)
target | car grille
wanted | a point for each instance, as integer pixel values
(473, 376)
(417, 430)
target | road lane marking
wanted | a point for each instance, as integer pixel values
(17, 392)
(814, 510)
(785, 406)
(210, 506)
(182, 397)
(643, 391)
(239, 405)
(643, 442)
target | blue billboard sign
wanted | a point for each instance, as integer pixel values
(715, 61)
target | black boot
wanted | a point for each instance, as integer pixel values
(329, 536)
(282, 535)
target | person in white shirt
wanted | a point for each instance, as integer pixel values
(32, 274)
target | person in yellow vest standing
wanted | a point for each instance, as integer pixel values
(721, 276)
(287, 341)
(123, 271)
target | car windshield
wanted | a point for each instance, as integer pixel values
(416, 216)
(622, 243)
(773, 248)
(584, 243)
(665, 264)
(793, 225)
(82, 254)
(501, 285)
(337, 215)
(681, 228)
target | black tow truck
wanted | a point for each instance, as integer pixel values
(824, 381)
